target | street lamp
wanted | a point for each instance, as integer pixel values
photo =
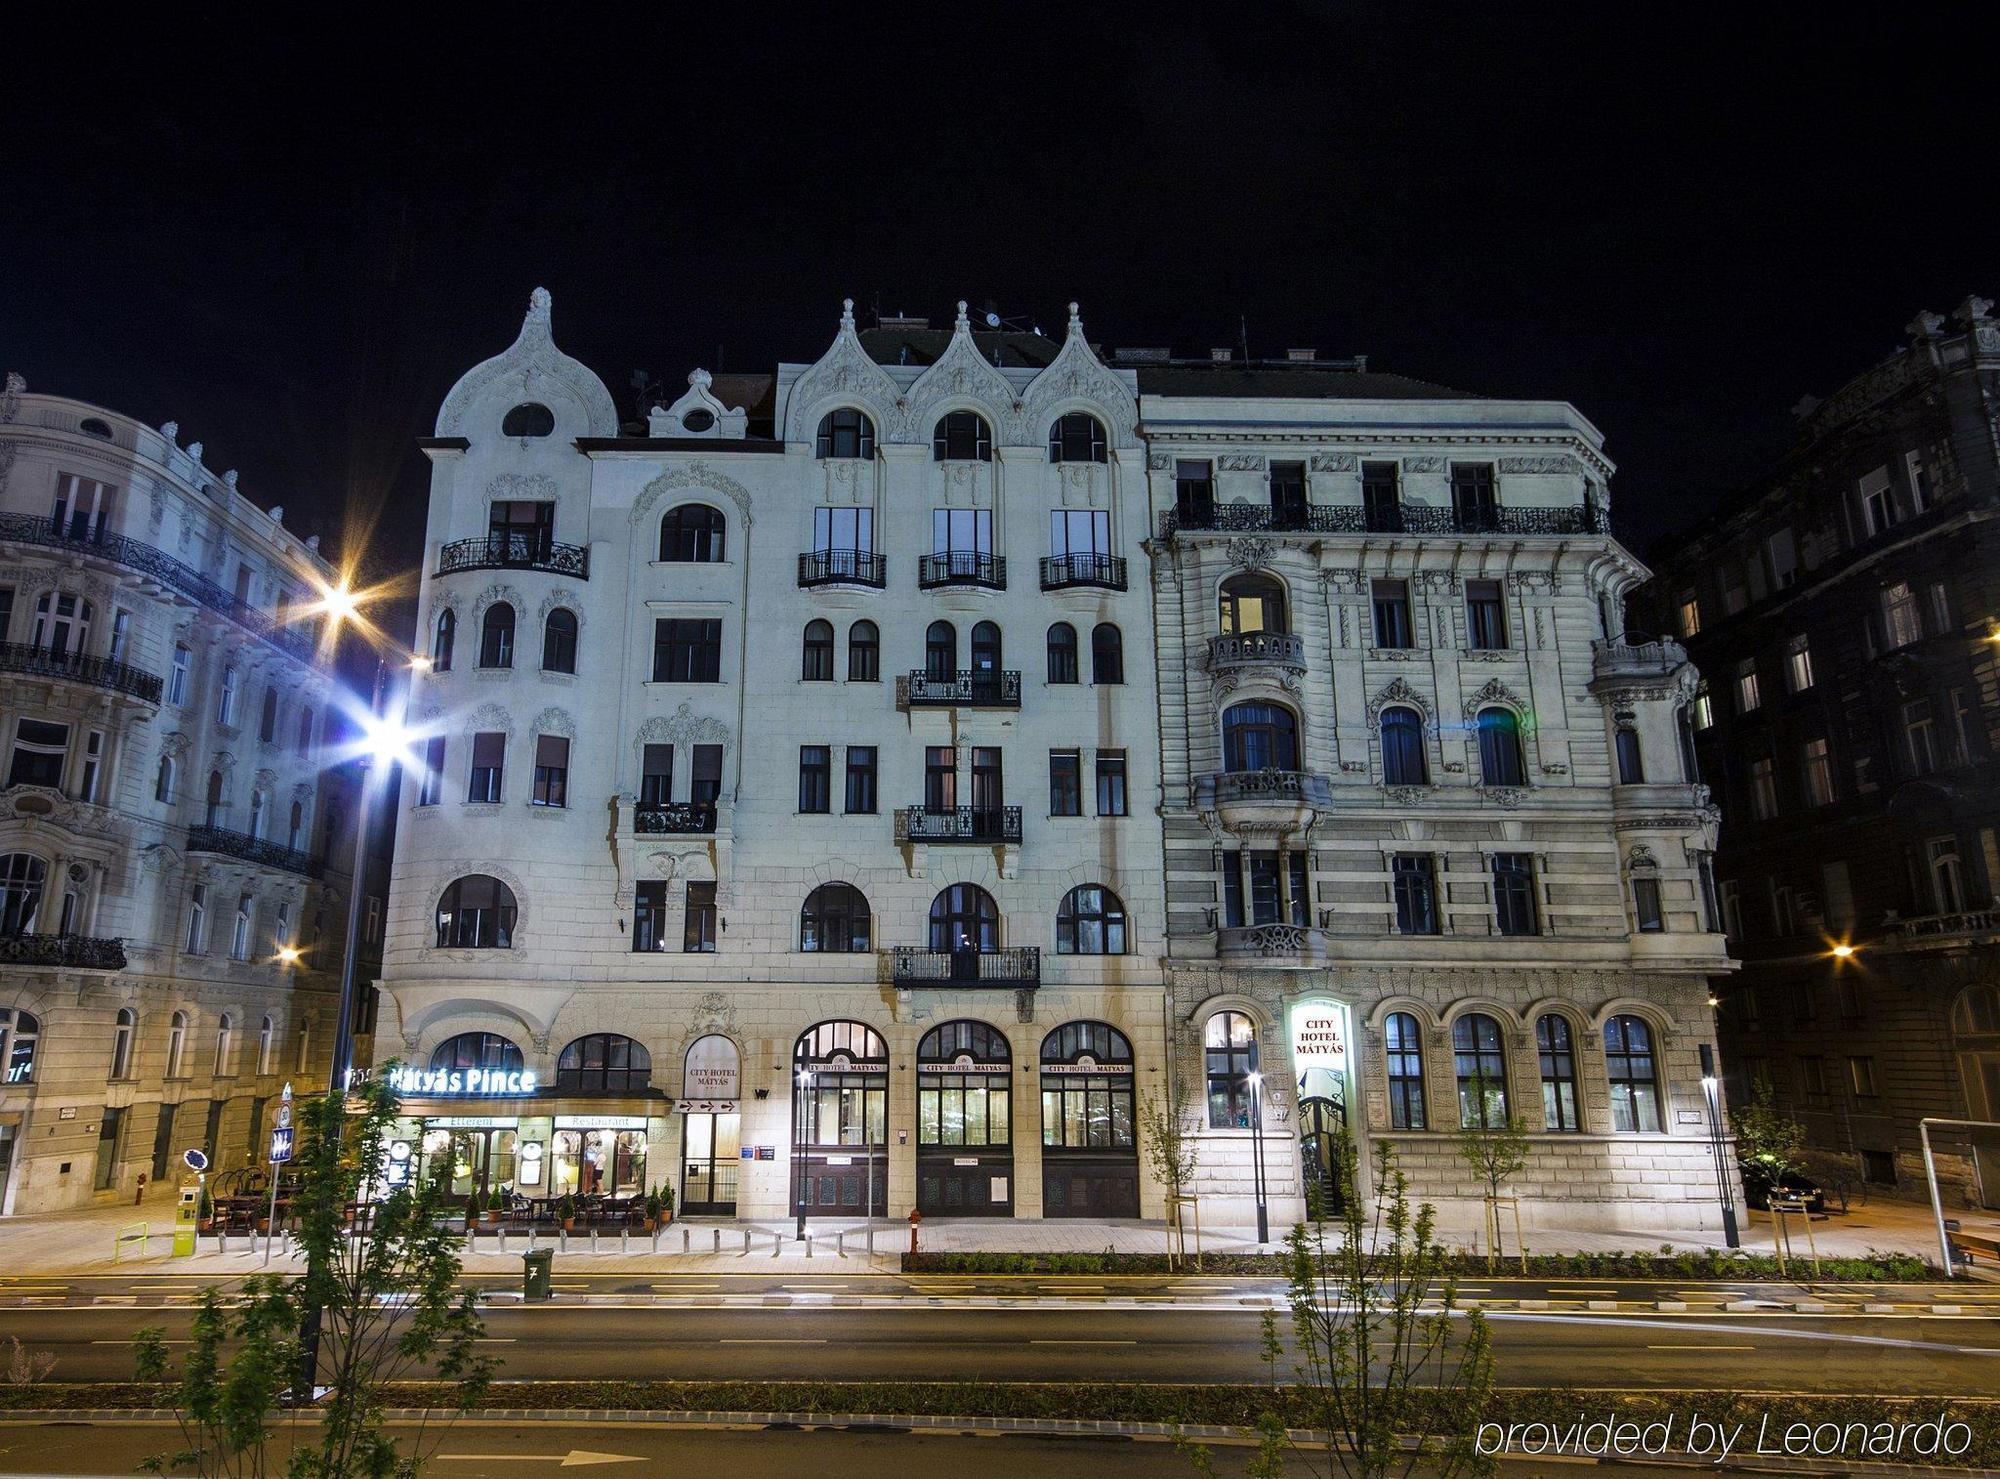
(1255, 1081)
(804, 1083)
(1724, 1185)
(1843, 951)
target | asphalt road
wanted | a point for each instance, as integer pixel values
(1166, 1343)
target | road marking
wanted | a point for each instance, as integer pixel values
(576, 1458)
(773, 1340)
(1083, 1342)
(1701, 1348)
(812, 1286)
(134, 1342)
(493, 1340)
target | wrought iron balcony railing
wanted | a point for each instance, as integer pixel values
(1936, 926)
(1616, 658)
(100, 672)
(252, 850)
(144, 559)
(675, 816)
(1062, 571)
(1407, 518)
(959, 824)
(1271, 785)
(843, 567)
(1016, 965)
(78, 952)
(977, 688)
(962, 567)
(1258, 649)
(514, 552)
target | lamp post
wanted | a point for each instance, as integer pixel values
(799, 1090)
(1723, 1183)
(1255, 1081)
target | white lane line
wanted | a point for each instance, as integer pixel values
(1083, 1342)
(774, 1340)
(1701, 1348)
(134, 1342)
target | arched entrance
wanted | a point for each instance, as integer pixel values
(965, 1152)
(1319, 1036)
(711, 1127)
(840, 1122)
(1090, 1153)
(1321, 1121)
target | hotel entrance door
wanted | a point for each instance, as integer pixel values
(708, 1164)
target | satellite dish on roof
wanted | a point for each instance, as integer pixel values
(992, 320)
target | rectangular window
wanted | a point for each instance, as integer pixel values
(197, 923)
(1514, 909)
(225, 698)
(82, 507)
(1413, 881)
(1961, 729)
(1919, 479)
(1732, 909)
(1194, 493)
(940, 778)
(1816, 773)
(1111, 783)
(551, 771)
(1878, 503)
(1920, 737)
(1473, 502)
(1272, 886)
(843, 529)
(1781, 558)
(1065, 784)
(1485, 616)
(1947, 874)
(1690, 614)
(961, 531)
(1798, 664)
(1734, 597)
(687, 649)
(1391, 601)
(1748, 696)
(1763, 789)
(649, 914)
(988, 793)
(706, 784)
(521, 529)
(861, 780)
(698, 931)
(6, 610)
(1079, 531)
(815, 778)
(656, 775)
(93, 765)
(1381, 508)
(177, 679)
(1288, 495)
(1812, 1077)
(1902, 620)
(1704, 706)
(1861, 1077)
(489, 758)
(121, 634)
(1646, 905)
(1784, 914)
(430, 788)
(1836, 895)
(239, 937)
(1939, 596)
(39, 750)
(371, 929)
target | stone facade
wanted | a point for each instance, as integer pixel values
(163, 716)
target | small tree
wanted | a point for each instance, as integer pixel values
(1495, 1153)
(1163, 1115)
(1766, 1136)
(226, 1412)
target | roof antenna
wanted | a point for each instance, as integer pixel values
(1243, 333)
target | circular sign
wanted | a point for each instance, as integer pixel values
(195, 1160)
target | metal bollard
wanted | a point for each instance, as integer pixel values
(871, 1242)
(624, 1240)
(746, 1242)
(777, 1244)
(718, 1238)
(656, 1237)
(840, 1244)
(221, 1242)
(501, 1235)
(684, 1239)
(531, 1237)
(562, 1239)
(593, 1238)
(809, 1245)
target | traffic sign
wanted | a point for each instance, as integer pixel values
(281, 1145)
(195, 1160)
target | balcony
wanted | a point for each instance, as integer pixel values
(1403, 518)
(1263, 801)
(1065, 572)
(1288, 946)
(1614, 659)
(843, 567)
(1015, 966)
(966, 689)
(99, 672)
(75, 952)
(1247, 654)
(518, 551)
(990, 825)
(683, 818)
(143, 559)
(252, 850)
(1947, 931)
(962, 568)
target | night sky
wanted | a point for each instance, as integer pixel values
(1681, 220)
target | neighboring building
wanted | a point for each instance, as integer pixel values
(1433, 852)
(1844, 611)
(785, 827)
(162, 715)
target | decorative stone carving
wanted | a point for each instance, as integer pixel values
(1538, 464)
(533, 487)
(1250, 553)
(960, 375)
(844, 375)
(723, 423)
(1077, 379)
(1495, 692)
(1334, 462)
(696, 474)
(1159, 461)
(1423, 464)
(1404, 795)
(682, 728)
(1399, 695)
(1241, 462)
(531, 361)
(554, 721)
(1509, 797)
(488, 717)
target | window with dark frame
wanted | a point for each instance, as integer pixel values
(687, 649)
(1404, 761)
(1474, 504)
(496, 636)
(1480, 1059)
(649, 914)
(1402, 1040)
(835, 920)
(864, 653)
(1381, 508)
(1413, 881)
(815, 778)
(693, 534)
(1065, 783)
(559, 641)
(860, 799)
(551, 771)
(1485, 616)
(1288, 494)
(1514, 909)
(845, 433)
(1111, 799)
(962, 436)
(430, 790)
(698, 928)
(1634, 1076)
(940, 778)
(489, 759)
(1107, 654)
(1266, 903)
(1554, 1046)
(817, 662)
(1194, 493)
(1062, 654)
(1631, 766)
(1229, 1057)
(1646, 905)
(1077, 437)
(1390, 600)
(656, 775)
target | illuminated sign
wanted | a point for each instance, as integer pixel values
(1319, 1037)
(435, 1082)
(713, 1069)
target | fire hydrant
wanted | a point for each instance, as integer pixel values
(916, 1217)
(140, 1195)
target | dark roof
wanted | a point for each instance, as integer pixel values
(1301, 382)
(897, 346)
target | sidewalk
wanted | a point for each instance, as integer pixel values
(82, 1241)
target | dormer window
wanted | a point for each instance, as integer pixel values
(845, 433)
(529, 419)
(698, 420)
(962, 436)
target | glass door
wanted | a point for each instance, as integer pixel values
(708, 1165)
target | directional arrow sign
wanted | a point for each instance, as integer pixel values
(576, 1458)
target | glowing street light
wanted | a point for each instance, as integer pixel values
(290, 955)
(1255, 1081)
(1724, 1183)
(1843, 951)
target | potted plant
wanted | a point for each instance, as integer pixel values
(496, 1207)
(666, 1195)
(566, 1211)
(204, 1218)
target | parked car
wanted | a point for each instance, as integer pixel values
(1758, 1183)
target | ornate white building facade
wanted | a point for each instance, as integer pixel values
(162, 716)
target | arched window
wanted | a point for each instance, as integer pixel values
(845, 432)
(964, 917)
(1403, 759)
(1634, 1075)
(1062, 653)
(605, 1063)
(212, 812)
(441, 640)
(1087, 1091)
(476, 913)
(963, 1096)
(296, 831)
(177, 679)
(1403, 1041)
(941, 652)
(163, 784)
(257, 814)
(1977, 1013)
(962, 436)
(1107, 654)
(19, 1032)
(864, 653)
(1090, 921)
(121, 1043)
(488, 1050)
(62, 625)
(225, 698)
(1631, 769)
(1500, 762)
(529, 419)
(1481, 1061)
(559, 641)
(1077, 437)
(817, 666)
(1259, 737)
(835, 920)
(496, 636)
(1553, 1043)
(1252, 603)
(225, 1043)
(177, 1028)
(267, 721)
(692, 534)
(1230, 1056)
(985, 649)
(304, 744)
(267, 1033)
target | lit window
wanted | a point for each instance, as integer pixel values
(1798, 664)
(1748, 696)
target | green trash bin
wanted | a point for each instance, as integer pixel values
(535, 1273)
